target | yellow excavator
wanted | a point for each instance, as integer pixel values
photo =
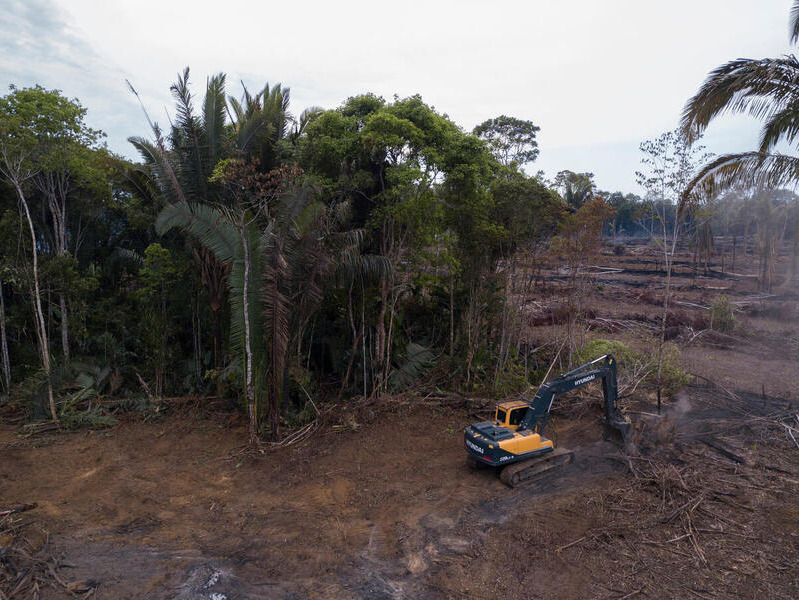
(514, 441)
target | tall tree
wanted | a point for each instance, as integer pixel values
(178, 168)
(66, 162)
(512, 140)
(18, 164)
(388, 160)
(669, 164)
(575, 188)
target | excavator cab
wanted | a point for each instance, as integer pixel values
(510, 414)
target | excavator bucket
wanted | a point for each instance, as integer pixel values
(618, 426)
(619, 429)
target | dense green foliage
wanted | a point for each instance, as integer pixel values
(252, 254)
(262, 257)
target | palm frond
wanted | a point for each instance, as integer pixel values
(207, 224)
(794, 21)
(146, 149)
(142, 183)
(238, 110)
(307, 117)
(276, 313)
(761, 88)
(249, 130)
(122, 257)
(783, 125)
(749, 169)
(190, 142)
(417, 361)
(156, 159)
(183, 100)
(214, 117)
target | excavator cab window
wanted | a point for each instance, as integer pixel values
(500, 415)
(517, 415)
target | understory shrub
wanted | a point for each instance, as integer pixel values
(722, 318)
(633, 365)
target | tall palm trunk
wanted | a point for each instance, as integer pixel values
(250, 387)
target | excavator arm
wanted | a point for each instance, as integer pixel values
(603, 368)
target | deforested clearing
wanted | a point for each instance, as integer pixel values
(404, 304)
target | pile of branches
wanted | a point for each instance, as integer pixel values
(707, 510)
(27, 565)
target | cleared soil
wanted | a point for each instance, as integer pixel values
(380, 503)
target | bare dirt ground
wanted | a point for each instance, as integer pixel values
(380, 503)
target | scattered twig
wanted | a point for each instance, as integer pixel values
(35, 428)
(631, 594)
(575, 542)
(691, 305)
(687, 507)
(790, 430)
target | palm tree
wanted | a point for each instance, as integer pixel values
(281, 259)
(263, 124)
(575, 188)
(233, 240)
(767, 89)
(177, 169)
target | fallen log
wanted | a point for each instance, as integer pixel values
(17, 509)
(718, 447)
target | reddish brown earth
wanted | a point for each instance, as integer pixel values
(380, 503)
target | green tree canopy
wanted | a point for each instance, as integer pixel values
(512, 140)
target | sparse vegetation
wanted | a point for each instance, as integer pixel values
(721, 315)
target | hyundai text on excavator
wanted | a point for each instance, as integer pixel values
(514, 440)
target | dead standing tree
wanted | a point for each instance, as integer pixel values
(669, 164)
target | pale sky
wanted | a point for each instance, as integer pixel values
(597, 76)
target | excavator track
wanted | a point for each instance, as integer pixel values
(525, 470)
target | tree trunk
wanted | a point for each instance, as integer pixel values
(41, 327)
(746, 237)
(250, 388)
(55, 187)
(380, 336)
(452, 312)
(669, 258)
(363, 337)
(195, 337)
(62, 300)
(4, 343)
